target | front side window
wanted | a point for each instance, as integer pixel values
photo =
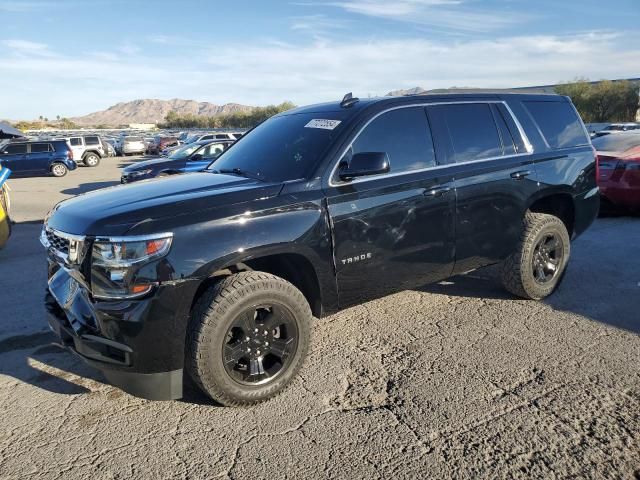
(16, 149)
(40, 147)
(405, 137)
(472, 130)
(212, 150)
(75, 142)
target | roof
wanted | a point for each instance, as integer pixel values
(7, 131)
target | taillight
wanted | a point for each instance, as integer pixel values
(70, 154)
(595, 154)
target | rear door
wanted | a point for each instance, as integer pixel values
(39, 157)
(494, 178)
(396, 230)
(14, 157)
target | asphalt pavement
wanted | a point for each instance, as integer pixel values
(453, 380)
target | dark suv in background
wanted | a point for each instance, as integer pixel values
(219, 273)
(42, 157)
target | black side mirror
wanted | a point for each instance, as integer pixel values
(196, 157)
(365, 163)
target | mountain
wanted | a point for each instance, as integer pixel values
(409, 91)
(154, 111)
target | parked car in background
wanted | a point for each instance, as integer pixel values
(47, 157)
(5, 207)
(188, 158)
(619, 169)
(132, 145)
(160, 143)
(108, 148)
(87, 149)
(617, 128)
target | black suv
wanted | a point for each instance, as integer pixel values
(220, 272)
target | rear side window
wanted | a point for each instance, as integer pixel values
(403, 134)
(16, 149)
(76, 142)
(558, 123)
(91, 141)
(40, 147)
(472, 130)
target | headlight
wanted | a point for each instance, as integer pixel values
(116, 264)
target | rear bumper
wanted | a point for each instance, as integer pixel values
(138, 345)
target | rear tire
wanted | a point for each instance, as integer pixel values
(91, 160)
(537, 266)
(59, 170)
(248, 337)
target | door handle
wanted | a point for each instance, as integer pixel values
(436, 191)
(521, 174)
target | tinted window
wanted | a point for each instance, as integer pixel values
(508, 147)
(513, 129)
(40, 147)
(472, 130)
(558, 122)
(403, 134)
(132, 139)
(75, 142)
(17, 148)
(91, 141)
(283, 148)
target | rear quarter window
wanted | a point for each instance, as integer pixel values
(91, 141)
(558, 122)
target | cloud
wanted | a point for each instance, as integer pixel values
(452, 15)
(26, 47)
(305, 72)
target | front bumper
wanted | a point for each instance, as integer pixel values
(137, 344)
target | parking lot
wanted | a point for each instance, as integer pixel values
(457, 379)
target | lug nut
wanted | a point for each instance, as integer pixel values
(266, 332)
(248, 350)
(256, 330)
(246, 339)
(266, 344)
(258, 352)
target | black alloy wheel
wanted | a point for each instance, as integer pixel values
(260, 344)
(547, 258)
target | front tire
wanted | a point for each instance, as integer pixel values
(537, 266)
(248, 337)
(59, 170)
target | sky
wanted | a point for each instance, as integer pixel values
(72, 57)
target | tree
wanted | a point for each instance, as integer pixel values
(604, 101)
(241, 119)
(58, 117)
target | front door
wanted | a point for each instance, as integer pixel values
(393, 231)
(14, 157)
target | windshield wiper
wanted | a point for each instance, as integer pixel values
(239, 172)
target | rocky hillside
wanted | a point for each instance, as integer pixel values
(154, 111)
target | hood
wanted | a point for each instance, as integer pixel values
(114, 210)
(152, 163)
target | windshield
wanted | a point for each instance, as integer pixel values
(616, 142)
(183, 152)
(282, 148)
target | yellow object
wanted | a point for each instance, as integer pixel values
(5, 225)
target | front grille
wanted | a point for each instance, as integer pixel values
(57, 242)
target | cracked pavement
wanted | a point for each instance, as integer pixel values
(456, 379)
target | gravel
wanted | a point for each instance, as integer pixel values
(456, 379)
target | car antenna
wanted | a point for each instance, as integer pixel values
(348, 100)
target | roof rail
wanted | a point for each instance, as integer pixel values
(349, 100)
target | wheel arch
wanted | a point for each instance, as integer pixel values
(558, 204)
(296, 268)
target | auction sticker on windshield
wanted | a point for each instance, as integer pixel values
(322, 123)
